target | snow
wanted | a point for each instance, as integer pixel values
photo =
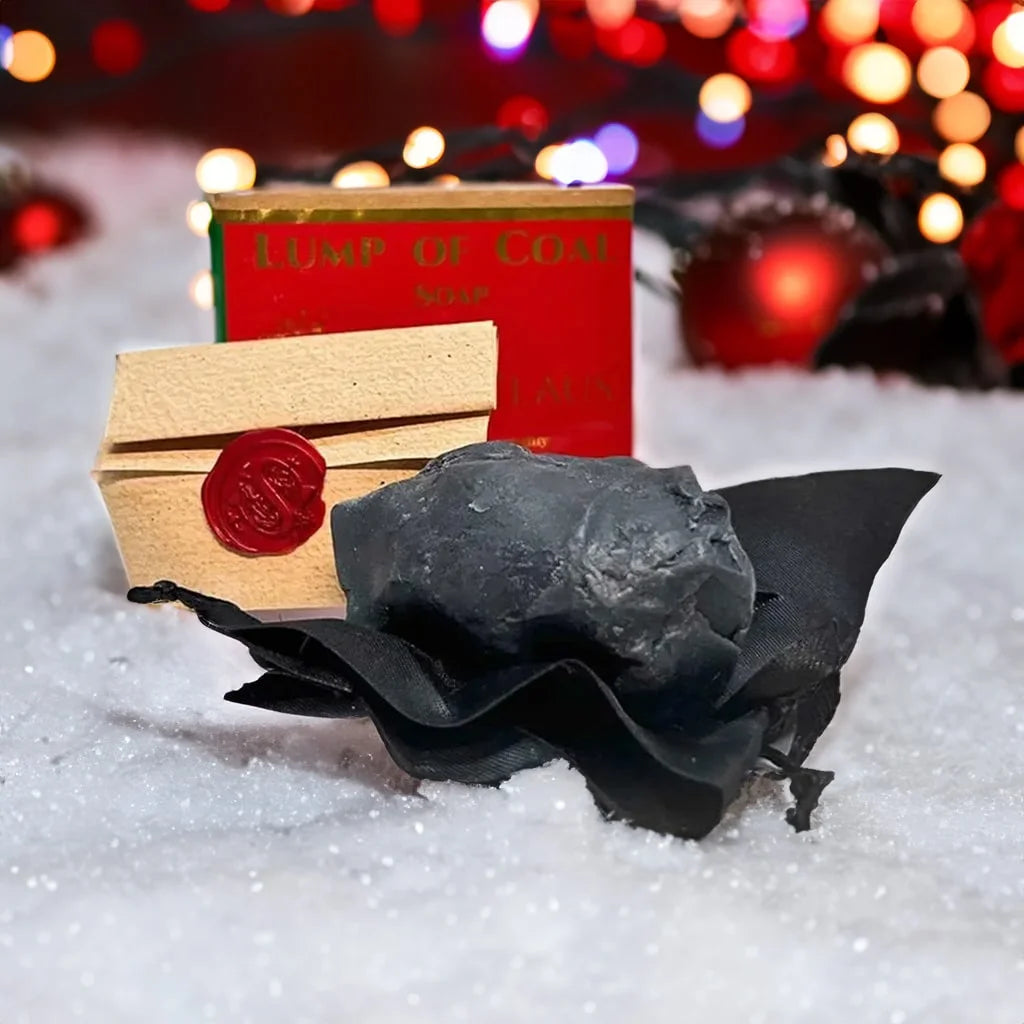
(165, 856)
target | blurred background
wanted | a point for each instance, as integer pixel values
(865, 155)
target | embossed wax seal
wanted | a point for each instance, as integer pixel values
(264, 495)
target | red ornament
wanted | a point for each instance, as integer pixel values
(264, 495)
(767, 284)
(993, 251)
(117, 46)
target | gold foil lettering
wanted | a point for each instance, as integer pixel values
(503, 248)
(263, 261)
(370, 247)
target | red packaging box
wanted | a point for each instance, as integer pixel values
(550, 266)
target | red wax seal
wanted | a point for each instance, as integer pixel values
(264, 495)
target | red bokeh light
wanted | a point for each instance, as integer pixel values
(1004, 86)
(759, 59)
(638, 41)
(37, 225)
(117, 46)
(290, 8)
(987, 19)
(1011, 186)
(398, 17)
(211, 6)
(524, 113)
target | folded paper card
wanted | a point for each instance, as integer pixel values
(219, 461)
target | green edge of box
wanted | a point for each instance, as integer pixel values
(217, 272)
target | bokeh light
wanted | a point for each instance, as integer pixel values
(209, 5)
(423, 147)
(940, 218)
(1008, 41)
(873, 133)
(226, 170)
(943, 71)
(200, 289)
(963, 164)
(760, 59)
(962, 118)
(398, 17)
(37, 226)
(1018, 144)
(938, 21)
(849, 21)
(1011, 186)
(719, 134)
(610, 13)
(506, 25)
(724, 97)
(877, 72)
(579, 161)
(28, 56)
(525, 114)
(835, 151)
(707, 19)
(291, 8)
(117, 46)
(198, 215)
(361, 174)
(1004, 87)
(446, 180)
(773, 20)
(620, 146)
(545, 160)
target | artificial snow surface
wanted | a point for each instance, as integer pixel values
(165, 856)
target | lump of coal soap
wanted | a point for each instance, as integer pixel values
(494, 556)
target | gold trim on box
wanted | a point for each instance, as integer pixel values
(413, 215)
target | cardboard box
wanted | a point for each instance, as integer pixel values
(551, 266)
(363, 409)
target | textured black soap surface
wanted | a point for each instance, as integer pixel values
(493, 554)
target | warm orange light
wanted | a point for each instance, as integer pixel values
(446, 180)
(1018, 144)
(835, 151)
(708, 19)
(201, 289)
(226, 170)
(1008, 41)
(938, 21)
(199, 216)
(962, 164)
(545, 161)
(850, 21)
(423, 148)
(361, 174)
(29, 56)
(943, 71)
(940, 218)
(962, 118)
(877, 72)
(873, 133)
(610, 13)
(724, 98)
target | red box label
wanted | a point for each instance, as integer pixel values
(558, 289)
